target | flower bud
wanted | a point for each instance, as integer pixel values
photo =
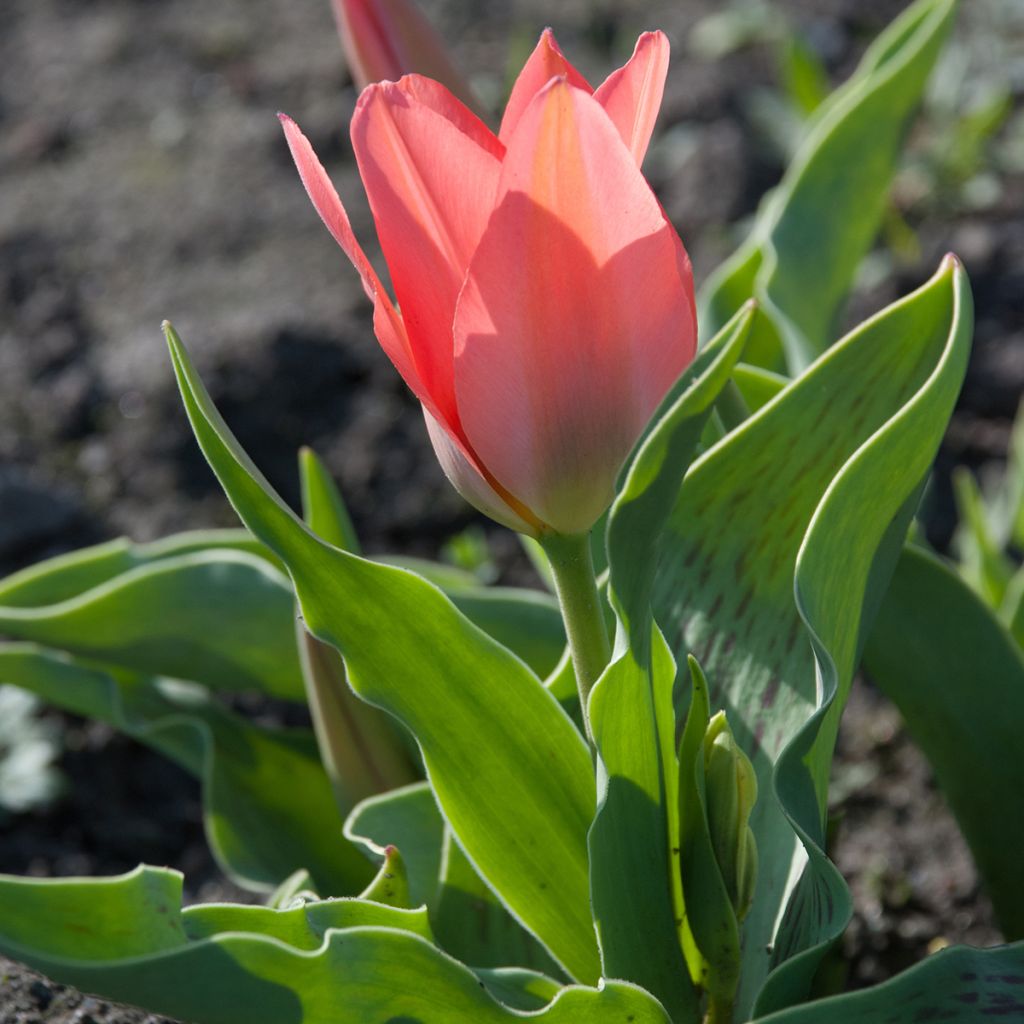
(386, 39)
(731, 791)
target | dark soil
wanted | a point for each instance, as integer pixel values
(143, 176)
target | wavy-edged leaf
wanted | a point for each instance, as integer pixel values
(267, 804)
(813, 230)
(829, 468)
(959, 985)
(66, 576)
(510, 771)
(332, 962)
(943, 658)
(469, 922)
(633, 874)
(155, 617)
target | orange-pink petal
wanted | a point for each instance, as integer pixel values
(546, 62)
(577, 314)
(632, 94)
(470, 483)
(387, 323)
(430, 169)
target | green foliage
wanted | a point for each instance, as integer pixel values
(955, 986)
(811, 474)
(267, 804)
(957, 677)
(319, 963)
(510, 771)
(147, 614)
(813, 230)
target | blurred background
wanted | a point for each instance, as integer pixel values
(143, 175)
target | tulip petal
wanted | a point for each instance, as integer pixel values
(632, 95)
(386, 322)
(576, 316)
(430, 169)
(467, 480)
(546, 62)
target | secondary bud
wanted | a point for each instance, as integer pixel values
(731, 792)
(386, 39)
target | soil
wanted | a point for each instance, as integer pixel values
(144, 176)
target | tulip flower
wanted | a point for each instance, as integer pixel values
(385, 39)
(544, 302)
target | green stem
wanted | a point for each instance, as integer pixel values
(719, 1011)
(582, 610)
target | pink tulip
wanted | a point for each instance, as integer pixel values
(385, 39)
(546, 301)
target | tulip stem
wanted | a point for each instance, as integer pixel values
(582, 611)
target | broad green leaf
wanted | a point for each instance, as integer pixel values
(267, 804)
(939, 653)
(511, 773)
(333, 962)
(473, 926)
(155, 618)
(66, 576)
(469, 922)
(525, 621)
(813, 230)
(955, 986)
(633, 874)
(828, 469)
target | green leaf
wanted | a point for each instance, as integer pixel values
(813, 230)
(409, 820)
(391, 885)
(332, 962)
(804, 76)
(709, 912)
(473, 926)
(155, 617)
(470, 923)
(955, 986)
(939, 653)
(511, 773)
(267, 805)
(66, 576)
(982, 564)
(829, 469)
(362, 748)
(527, 622)
(322, 504)
(634, 888)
